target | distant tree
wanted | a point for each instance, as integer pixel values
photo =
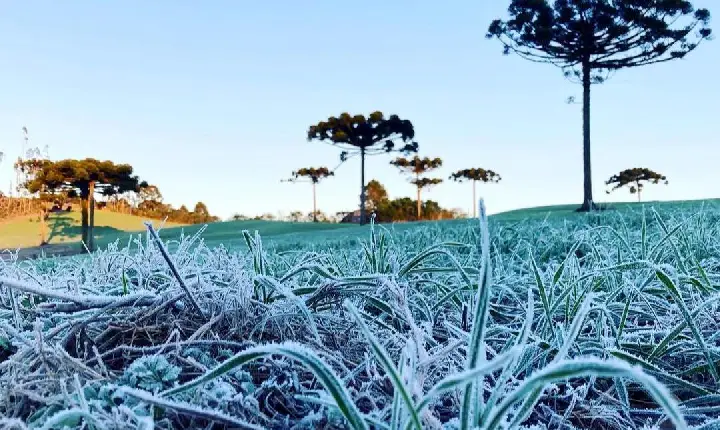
(265, 217)
(416, 167)
(405, 209)
(313, 175)
(319, 215)
(239, 217)
(458, 213)
(148, 202)
(296, 216)
(589, 39)
(475, 175)
(201, 214)
(635, 178)
(84, 178)
(27, 169)
(181, 214)
(358, 135)
(375, 194)
(150, 193)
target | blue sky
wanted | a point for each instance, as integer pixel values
(211, 101)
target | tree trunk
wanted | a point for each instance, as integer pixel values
(588, 204)
(419, 204)
(314, 204)
(84, 218)
(638, 191)
(475, 203)
(362, 186)
(91, 227)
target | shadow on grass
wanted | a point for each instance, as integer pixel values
(64, 229)
(59, 225)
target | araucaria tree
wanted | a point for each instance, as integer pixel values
(475, 175)
(84, 178)
(635, 178)
(363, 136)
(416, 167)
(313, 175)
(589, 39)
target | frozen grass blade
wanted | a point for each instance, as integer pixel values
(387, 364)
(665, 279)
(660, 373)
(297, 352)
(567, 369)
(173, 269)
(520, 342)
(458, 380)
(532, 397)
(660, 347)
(285, 292)
(471, 408)
(188, 409)
(543, 295)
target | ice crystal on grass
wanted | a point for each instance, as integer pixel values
(603, 320)
(150, 373)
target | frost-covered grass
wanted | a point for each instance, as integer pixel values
(607, 320)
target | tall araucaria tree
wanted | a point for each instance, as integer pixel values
(475, 175)
(416, 167)
(313, 175)
(589, 39)
(363, 136)
(84, 178)
(635, 178)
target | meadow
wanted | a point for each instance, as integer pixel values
(533, 319)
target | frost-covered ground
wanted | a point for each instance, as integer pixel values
(599, 321)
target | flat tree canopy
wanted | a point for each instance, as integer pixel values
(360, 135)
(474, 175)
(77, 175)
(635, 178)
(80, 177)
(314, 174)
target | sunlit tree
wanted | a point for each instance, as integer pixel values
(376, 193)
(83, 178)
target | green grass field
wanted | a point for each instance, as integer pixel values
(65, 228)
(111, 227)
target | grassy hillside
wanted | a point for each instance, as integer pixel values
(65, 228)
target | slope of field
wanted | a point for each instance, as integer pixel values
(606, 320)
(112, 227)
(64, 228)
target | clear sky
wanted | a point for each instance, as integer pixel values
(211, 100)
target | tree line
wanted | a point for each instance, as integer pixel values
(587, 40)
(85, 181)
